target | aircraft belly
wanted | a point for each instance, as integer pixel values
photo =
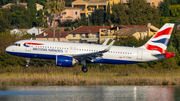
(117, 59)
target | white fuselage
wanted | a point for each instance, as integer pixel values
(50, 49)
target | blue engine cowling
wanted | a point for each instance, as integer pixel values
(65, 61)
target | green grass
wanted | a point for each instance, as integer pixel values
(118, 75)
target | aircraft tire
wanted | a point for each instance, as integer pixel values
(27, 66)
(84, 69)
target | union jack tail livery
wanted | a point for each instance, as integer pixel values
(160, 40)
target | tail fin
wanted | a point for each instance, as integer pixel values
(160, 40)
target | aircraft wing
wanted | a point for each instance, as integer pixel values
(92, 55)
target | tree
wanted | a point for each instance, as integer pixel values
(20, 17)
(141, 13)
(31, 5)
(174, 10)
(97, 17)
(1, 14)
(164, 8)
(42, 18)
(173, 2)
(55, 6)
(137, 12)
(119, 14)
(4, 24)
(108, 15)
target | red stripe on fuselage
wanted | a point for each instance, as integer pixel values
(30, 43)
(167, 31)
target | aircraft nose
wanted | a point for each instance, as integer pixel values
(8, 49)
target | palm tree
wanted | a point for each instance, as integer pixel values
(55, 7)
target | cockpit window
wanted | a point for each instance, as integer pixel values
(17, 44)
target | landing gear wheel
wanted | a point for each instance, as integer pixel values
(28, 60)
(84, 69)
(27, 66)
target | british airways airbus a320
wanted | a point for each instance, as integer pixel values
(68, 54)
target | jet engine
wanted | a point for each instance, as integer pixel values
(65, 61)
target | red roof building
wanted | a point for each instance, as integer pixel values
(86, 34)
(59, 36)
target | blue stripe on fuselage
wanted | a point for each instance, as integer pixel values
(45, 56)
(112, 61)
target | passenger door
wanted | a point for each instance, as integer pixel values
(28, 45)
(139, 54)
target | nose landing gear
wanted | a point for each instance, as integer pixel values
(28, 60)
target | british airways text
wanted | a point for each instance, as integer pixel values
(50, 50)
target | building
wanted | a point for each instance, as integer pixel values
(59, 36)
(18, 31)
(34, 31)
(68, 14)
(138, 31)
(88, 6)
(155, 3)
(86, 34)
(15, 31)
(38, 6)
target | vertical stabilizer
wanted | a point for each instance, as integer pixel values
(160, 40)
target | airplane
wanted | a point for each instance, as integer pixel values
(67, 54)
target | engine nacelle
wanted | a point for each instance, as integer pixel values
(65, 61)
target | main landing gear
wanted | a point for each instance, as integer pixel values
(84, 69)
(28, 60)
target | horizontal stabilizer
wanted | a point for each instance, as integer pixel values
(166, 55)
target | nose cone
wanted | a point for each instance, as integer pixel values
(8, 49)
